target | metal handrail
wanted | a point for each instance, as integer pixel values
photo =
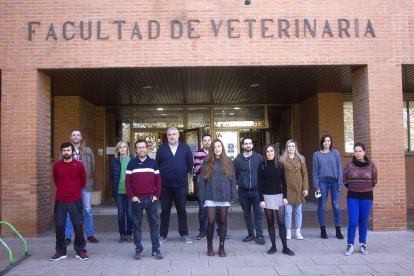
(9, 251)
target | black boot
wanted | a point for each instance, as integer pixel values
(323, 233)
(338, 232)
(272, 249)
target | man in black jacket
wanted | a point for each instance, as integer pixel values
(246, 165)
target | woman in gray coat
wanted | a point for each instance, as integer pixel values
(216, 189)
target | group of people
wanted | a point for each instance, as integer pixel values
(277, 184)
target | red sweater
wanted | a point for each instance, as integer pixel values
(69, 179)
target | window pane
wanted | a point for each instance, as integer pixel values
(405, 116)
(244, 116)
(411, 127)
(198, 117)
(348, 126)
(158, 117)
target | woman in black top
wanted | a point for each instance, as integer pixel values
(273, 196)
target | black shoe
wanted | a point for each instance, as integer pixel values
(67, 242)
(260, 240)
(129, 239)
(272, 250)
(122, 238)
(288, 252)
(138, 255)
(323, 233)
(338, 232)
(157, 255)
(249, 238)
(92, 239)
(201, 236)
(58, 256)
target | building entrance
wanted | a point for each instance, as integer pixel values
(263, 123)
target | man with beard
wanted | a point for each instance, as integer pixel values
(70, 178)
(84, 155)
(246, 165)
(175, 162)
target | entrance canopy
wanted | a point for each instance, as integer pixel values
(200, 85)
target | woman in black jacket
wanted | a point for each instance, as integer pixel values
(216, 189)
(273, 196)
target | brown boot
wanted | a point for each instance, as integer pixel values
(210, 251)
(221, 251)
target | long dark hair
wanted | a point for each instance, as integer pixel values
(211, 158)
(323, 140)
(276, 159)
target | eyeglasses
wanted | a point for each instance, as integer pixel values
(141, 148)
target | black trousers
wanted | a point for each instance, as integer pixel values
(179, 196)
(75, 211)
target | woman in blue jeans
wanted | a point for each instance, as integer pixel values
(123, 203)
(360, 177)
(327, 176)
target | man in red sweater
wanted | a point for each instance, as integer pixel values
(69, 176)
(143, 187)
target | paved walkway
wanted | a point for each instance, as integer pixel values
(390, 253)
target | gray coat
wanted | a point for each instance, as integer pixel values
(88, 160)
(218, 187)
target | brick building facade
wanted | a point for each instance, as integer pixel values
(373, 38)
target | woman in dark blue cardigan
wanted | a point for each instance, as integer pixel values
(117, 172)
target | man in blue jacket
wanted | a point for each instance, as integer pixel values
(175, 162)
(246, 165)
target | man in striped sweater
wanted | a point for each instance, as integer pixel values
(199, 157)
(143, 187)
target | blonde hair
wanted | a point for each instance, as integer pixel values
(285, 152)
(118, 145)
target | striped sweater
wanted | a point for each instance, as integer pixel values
(143, 178)
(199, 157)
(360, 177)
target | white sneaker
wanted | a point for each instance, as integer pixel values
(288, 234)
(349, 249)
(363, 249)
(298, 234)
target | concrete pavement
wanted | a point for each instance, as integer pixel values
(390, 253)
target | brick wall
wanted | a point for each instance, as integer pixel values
(310, 131)
(377, 102)
(100, 178)
(377, 91)
(25, 173)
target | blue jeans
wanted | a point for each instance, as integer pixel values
(297, 208)
(152, 215)
(179, 196)
(247, 200)
(123, 203)
(87, 213)
(325, 185)
(202, 218)
(358, 215)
